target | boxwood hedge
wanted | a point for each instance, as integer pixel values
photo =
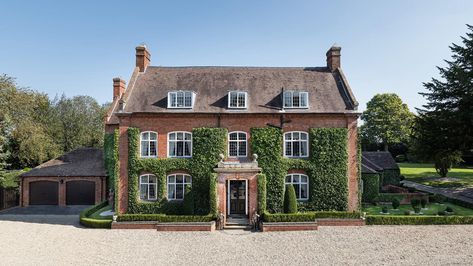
(85, 220)
(417, 220)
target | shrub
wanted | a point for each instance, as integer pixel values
(188, 203)
(449, 209)
(416, 209)
(395, 203)
(86, 221)
(308, 216)
(416, 220)
(385, 209)
(261, 193)
(423, 203)
(290, 200)
(370, 187)
(439, 198)
(415, 203)
(442, 213)
(407, 212)
(163, 218)
(213, 196)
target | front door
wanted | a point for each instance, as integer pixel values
(237, 189)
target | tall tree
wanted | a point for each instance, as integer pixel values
(444, 127)
(387, 120)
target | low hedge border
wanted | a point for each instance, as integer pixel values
(417, 220)
(308, 216)
(86, 221)
(163, 218)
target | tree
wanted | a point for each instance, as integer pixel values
(387, 120)
(290, 200)
(444, 128)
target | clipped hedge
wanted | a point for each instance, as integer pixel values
(370, 187)
(86, 221)
(163, 218)
(261, 193)
(309, 216)
(417, 220)
(208, 143)
(213, 196)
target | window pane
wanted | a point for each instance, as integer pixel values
(303, 136)
(144, 192)
(152, 136)
(188, 99)
(242, 136)
(180, 136)
(172, 148)
(187, 148)
(288, 149)
(304, 191)
(173, 100)
(145, 136)
(233, 136)
(152, 191)
(288, 179)
(172, 136)
(241, 99)
(152, 179)
(152, 151)
(296, 188)
(144, 148)
(144, 179)
(179, 148)
(179, 179)
(304, 148)
(303, 178)
(295, 178)
(188, 179)
(287, 99)
(296, 148)
(242, 148)
(179, 191)
(295, 100)
(233, 99)
(304, 99)
(172, 179)
(171, 191)
(233, 148)
(295, 136)
(287, 136)
(187, 136)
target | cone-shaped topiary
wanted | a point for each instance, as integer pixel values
(188, 204)
(290, 201)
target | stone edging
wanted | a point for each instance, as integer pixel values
(178, 226)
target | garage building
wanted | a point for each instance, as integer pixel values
(75, 178)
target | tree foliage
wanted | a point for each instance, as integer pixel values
(444, 127)
(387, 120)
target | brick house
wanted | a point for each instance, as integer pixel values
(166, 103)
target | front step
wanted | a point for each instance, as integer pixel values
(236, 227)
(240, 223)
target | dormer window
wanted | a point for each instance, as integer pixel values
(237, 99)
(296, 99)
(181, 99)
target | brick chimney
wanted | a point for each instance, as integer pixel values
(143, 57)
(333, 57)
(118, 88)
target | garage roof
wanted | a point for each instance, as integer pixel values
(79, 162)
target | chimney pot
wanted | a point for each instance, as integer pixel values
(119, 86)
(333, 57)
(143, 57)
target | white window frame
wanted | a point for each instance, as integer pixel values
(237, 95)
(148, 198)
(149, 144)
(291, 106)
(300, 183)
(184, 184)
(183, 100)
(169, 144)
(291, 141)
(238, 141)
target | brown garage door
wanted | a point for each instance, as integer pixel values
(43, 193)
(80, 193)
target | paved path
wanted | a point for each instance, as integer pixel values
(463, 194)
(30, 243)
(45, 210)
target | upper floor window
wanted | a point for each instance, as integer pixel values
(149, 144)
(296, 144)
(148, 187)
(237, 144)
(177, 184)
(181, 99)
(237, 99)
(180, 144)
(301, 185)
(296, 99)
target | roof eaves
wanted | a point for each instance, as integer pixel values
(347, 88)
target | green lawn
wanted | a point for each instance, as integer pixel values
(432, 209)
(421, 173)
(96, 215)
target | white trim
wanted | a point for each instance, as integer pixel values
(238, 144)
(298, 183)
(292, 99)
(284, 144)
(184, 183)
(193, 94)
(237, 107)
(149, 144)
(148, 184)
(168, 141)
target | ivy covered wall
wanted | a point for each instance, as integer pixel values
(207, 144)
(327, 167)
(111, 163)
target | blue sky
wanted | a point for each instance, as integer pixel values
(77, 48)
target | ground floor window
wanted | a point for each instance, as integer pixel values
(301, 185)
(177, 184)
(148, 187)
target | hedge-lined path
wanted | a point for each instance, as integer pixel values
(55, 244)
(463, 194)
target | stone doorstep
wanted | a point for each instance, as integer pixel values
(177, 226)
(289, 226)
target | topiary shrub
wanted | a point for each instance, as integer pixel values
(449, 209)
(384, 209)
(415, 202)
(290, 201)
(188, 203)
(442, 213)
(213, 196)
(395, 203)
(439, 198)
(423, 203)
(407, 212)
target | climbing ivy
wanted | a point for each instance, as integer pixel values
(261, 178)
(208, 143)
(111, 163)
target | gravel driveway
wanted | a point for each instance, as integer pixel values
(60, 240)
